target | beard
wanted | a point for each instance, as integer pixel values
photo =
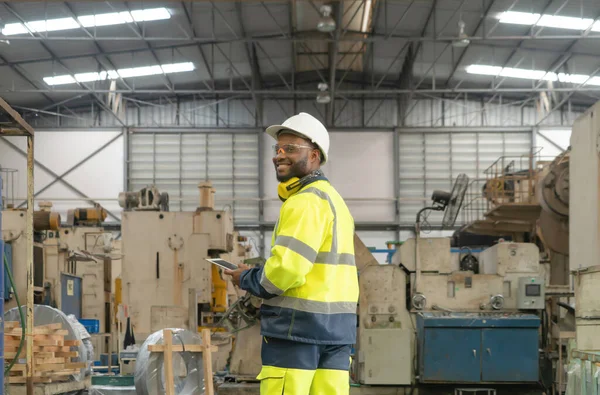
(296, 169)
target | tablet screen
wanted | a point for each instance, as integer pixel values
(223, 263)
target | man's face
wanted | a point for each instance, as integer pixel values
(295, 157)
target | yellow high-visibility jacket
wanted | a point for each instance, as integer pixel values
(310, 283)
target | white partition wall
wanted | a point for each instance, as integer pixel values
(73, 168)
(177, 161)
(358, 162)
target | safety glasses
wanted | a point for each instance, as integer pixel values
(288, 148)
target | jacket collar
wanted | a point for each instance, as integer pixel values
(287, 189)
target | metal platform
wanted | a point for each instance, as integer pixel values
(515, 211)
(498, 227)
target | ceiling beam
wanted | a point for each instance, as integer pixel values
(252, 58)
(188, 16)
(464, 52)
(338, 9)
(291, 41)
(308, 92)
(306, 36)
(135, 27)
(71, 12)
(518, 46)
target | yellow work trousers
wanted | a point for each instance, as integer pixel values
(284, 381)
(292, 368)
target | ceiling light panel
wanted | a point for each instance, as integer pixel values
(519, 18)
(565, 22)
(535, 75)
(109, 19)
(121, 73)
(556, 21)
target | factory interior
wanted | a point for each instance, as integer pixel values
(462, 138)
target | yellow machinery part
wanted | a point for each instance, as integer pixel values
(118, 296)
(90, 215)
(46, 220)
(219, 292)
(212, 328)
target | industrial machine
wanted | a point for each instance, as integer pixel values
(526, 198)
(427, 319)
(584, 247)
(72, 262)
(166, 281)
(47, 278)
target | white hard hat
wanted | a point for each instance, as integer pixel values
(306, 126)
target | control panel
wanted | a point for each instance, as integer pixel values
(530, 295)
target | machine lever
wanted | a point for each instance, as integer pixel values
(489, 351)
(474, 353)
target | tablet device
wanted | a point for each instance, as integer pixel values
(223, 263)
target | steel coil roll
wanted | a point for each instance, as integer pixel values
(187, 366)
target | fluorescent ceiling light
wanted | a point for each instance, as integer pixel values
(531, 74)
(177, 67)
(121, 73)
(113, 18)
(527, 74)
(140, 71)
(565, 22)
(557, 21)
(483, 69)
(519, 18)
(59, 80)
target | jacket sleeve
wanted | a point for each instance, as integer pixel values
(304, 223)
(250, 281)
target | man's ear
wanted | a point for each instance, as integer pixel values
(317, 155)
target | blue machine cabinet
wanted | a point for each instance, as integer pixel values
(70, 294)
(478, 347)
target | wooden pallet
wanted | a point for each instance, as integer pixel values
(52, 354)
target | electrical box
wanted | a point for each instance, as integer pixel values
(530, 295)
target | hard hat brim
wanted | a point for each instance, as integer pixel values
(274, 131)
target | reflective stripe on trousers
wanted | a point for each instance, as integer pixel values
(292, 368)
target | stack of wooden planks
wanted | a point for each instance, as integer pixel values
(52, 354)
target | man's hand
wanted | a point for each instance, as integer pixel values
(235, 274)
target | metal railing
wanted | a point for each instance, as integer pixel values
(510, 180)
(8, 191)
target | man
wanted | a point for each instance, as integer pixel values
(309, 285)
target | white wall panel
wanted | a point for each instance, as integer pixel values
(550, 140)
(360, 167)
(100, 177)
(177, 162)
(430, 161)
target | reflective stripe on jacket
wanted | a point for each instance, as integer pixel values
(310, 282)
